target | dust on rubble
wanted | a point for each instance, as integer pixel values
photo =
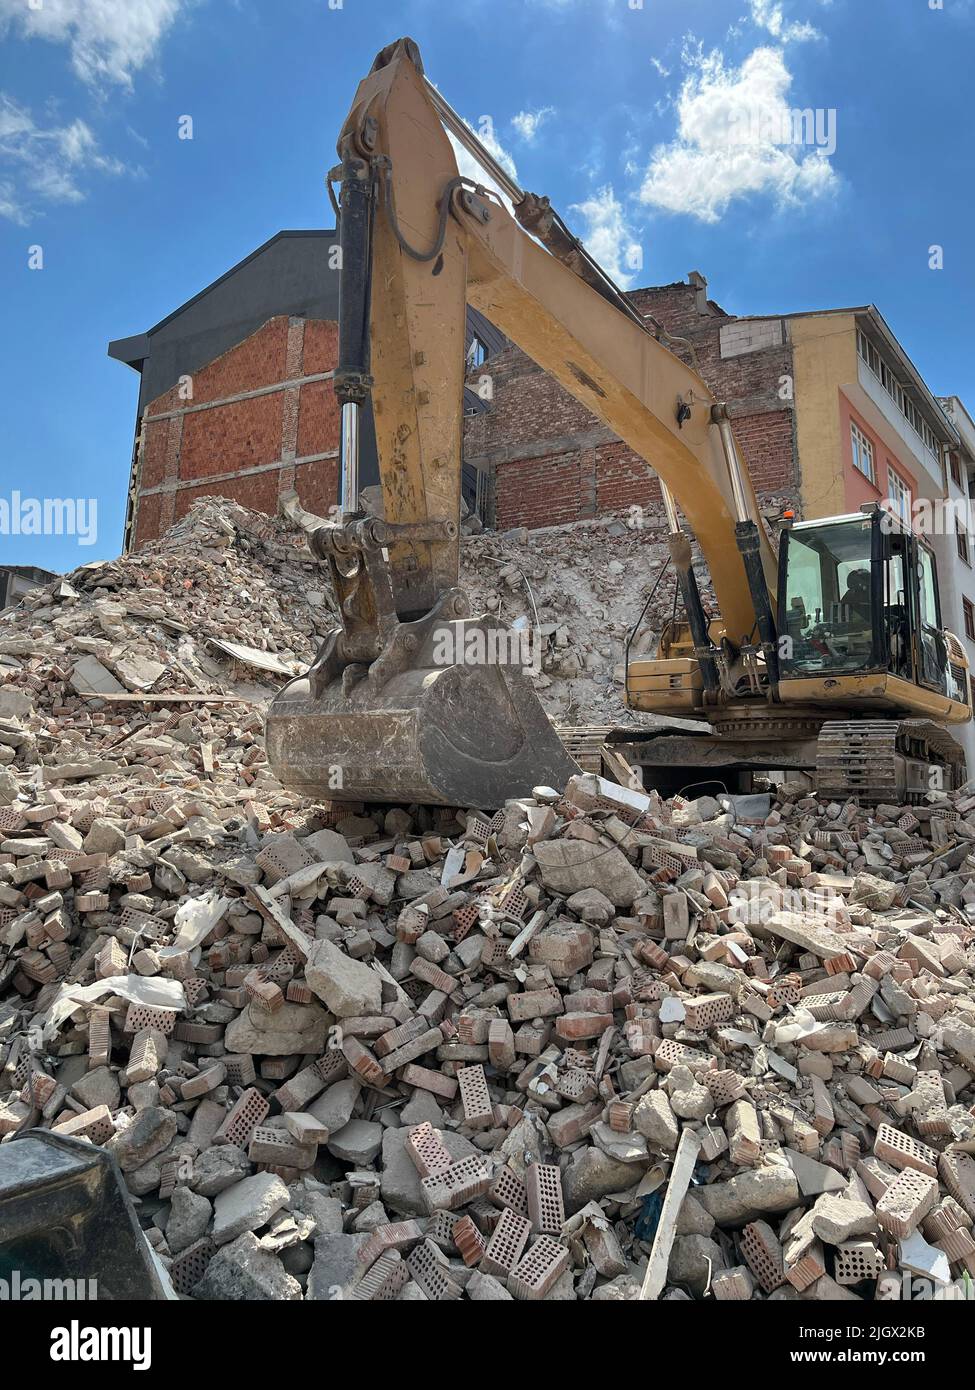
(582, 588)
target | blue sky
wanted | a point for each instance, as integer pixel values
(619, 111)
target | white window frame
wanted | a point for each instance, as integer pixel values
(888, 380)
(899, 492)
(861, 445)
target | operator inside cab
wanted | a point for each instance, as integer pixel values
(857, 597)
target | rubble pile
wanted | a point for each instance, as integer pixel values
(581, 588)
(226, 587)
(585, 1046)
(591, 1044)
(227, 603)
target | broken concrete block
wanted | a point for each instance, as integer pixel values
(569, 866)
(247, 1206)
(89, 677)
(347, 987)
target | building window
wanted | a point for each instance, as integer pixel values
(961, 540)
(969, 613)
(955, 468)
(476, 354)
(862, 453)
(869, 354)
(899, 494)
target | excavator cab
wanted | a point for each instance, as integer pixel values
(859, 611)
(829, 610)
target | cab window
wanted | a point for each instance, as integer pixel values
(828, 610)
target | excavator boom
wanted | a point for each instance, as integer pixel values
(395, 706)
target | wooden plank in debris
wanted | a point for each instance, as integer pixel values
(173, 697)
(617, 767)
(680, 1180)
(252, 656)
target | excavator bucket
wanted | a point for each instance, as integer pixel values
(67, 1223)
(464, 734)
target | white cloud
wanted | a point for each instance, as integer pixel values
(9, 202)
(109, 40)
(608, 237)
(769, 15)
(472, 169)
(664, 72)
(44, 164)
(526, 123)
(735, 138)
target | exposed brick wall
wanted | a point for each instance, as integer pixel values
(249, 449)
(552, 461)
(766, 442)
(564, 487)
(259, 492)
(227, 438)
(318, 418)
(321, 347)
(543, 491)
(155, 451)
(623, 480)
(528, 406)
(149, 508)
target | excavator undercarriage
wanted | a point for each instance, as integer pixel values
(874, 760)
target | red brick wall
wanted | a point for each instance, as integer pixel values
(766, 442)
(528, 406)
(227, 438)
(259, 492)
(250, 449)
(543, 491)
(553, 462)
(560, 488)
(624, 480)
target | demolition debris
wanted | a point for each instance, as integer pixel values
(587, 1045)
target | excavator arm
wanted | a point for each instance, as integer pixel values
(380, 715)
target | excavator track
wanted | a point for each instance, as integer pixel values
(891, 760)
(585, 744)
(857, 757)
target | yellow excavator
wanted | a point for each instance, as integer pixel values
(828, 656)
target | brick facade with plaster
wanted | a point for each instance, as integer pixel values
(552, 462)
(262, 418)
